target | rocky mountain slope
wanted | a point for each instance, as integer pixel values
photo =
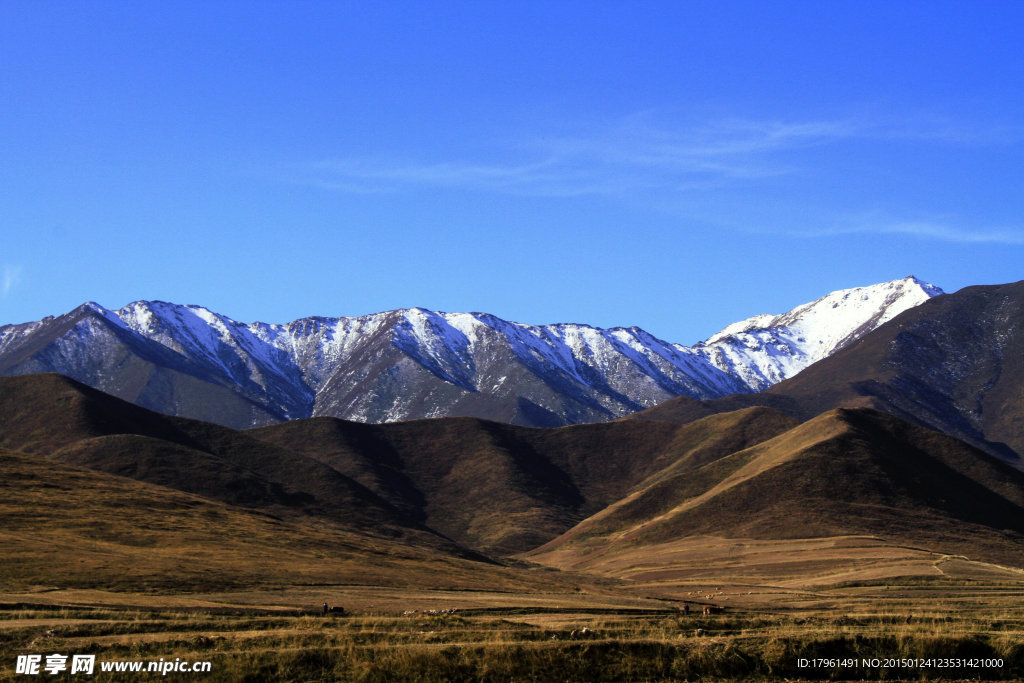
(412, 363)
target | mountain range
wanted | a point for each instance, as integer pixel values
(908, 439)
(415, 363)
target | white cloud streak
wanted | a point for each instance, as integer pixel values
(640, 157)
(11, 278)
(638, 154)
(631, 155)
(925, 229)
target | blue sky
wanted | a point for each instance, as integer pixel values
(672, 165)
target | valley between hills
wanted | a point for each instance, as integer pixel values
(871, 506)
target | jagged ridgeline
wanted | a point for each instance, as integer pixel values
(414, 363)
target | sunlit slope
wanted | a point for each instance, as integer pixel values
(846, 472)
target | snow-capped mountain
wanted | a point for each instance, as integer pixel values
(765, 349)
(411, 363)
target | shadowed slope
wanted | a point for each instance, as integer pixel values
(46, 412)
(59, 419)
(845, 472)
(461, 476)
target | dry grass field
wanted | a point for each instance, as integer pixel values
(847, 608)
(798, 564)
(135, 538)
(391, 635)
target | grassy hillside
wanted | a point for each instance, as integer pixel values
(169, 503)
(57, 418)
(844, 473)
(70, 527)
(505, 489)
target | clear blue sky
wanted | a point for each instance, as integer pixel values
(672, 165)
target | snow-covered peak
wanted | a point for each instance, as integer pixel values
(837, 318)
(94, 307)
(748, 355)
(928, 288)
(768, 349)
(98, 309)
(842, 312)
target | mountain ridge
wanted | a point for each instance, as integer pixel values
(413, 363)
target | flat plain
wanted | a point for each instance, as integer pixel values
(965, 628)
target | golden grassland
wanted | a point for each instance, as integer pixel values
(389, 634)
(771, 569)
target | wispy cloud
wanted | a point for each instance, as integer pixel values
(11, 278)
(640, 152)
(945, 231)
(630, 155)
(744, 173)
(549, 177)
(930, 127)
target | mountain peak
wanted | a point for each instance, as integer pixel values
(767, 349)
(926, 286)
(93, 307)
(893, 296)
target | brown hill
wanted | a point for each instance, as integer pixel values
(73, 527)
(954, 364)
(502, 489)
(465, 477)
(426, 491)
(60, 419)
(495, 488)
(846, 472)
(505, 489)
